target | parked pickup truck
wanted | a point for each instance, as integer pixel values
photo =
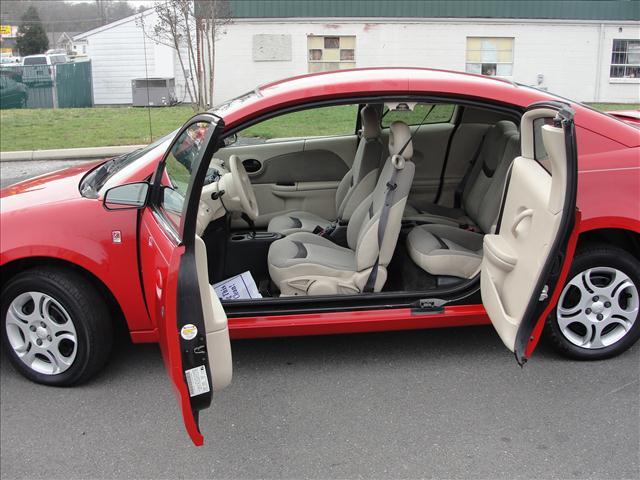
(40, 69)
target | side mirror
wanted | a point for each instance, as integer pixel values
(127, 197)
(230, 140)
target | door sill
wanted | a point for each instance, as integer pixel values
(466, 293)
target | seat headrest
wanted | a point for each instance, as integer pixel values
(370, 122)
(399, 135)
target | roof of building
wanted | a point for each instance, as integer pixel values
(626, 10)
(130, 18)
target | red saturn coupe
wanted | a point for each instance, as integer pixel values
(393, 198)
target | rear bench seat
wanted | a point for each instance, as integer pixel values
(477, 186)
(443, 248)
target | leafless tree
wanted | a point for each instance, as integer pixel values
(191, 28)
(213, 16)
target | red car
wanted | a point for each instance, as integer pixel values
(389, 199)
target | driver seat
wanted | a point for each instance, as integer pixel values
(307, 264)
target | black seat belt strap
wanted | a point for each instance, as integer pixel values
(388, 202)
(382, 226)
(457, 202)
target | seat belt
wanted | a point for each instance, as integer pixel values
(388, 201)
(382, 225)
(457, 202)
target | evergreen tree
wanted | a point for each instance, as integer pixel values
(32, 39)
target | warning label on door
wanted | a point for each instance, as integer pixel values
(197, 381)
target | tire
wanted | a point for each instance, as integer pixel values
(72, 326)
(597, 312)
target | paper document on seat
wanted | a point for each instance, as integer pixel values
(240, 287)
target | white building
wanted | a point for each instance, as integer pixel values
(588, 51)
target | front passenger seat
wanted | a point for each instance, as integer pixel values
(354, 186)
(307, 264)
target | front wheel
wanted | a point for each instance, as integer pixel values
(597, 312)
(56, 328)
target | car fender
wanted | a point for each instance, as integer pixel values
(100, 242)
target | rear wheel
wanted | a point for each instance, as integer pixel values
(56, 328)
(597, 313)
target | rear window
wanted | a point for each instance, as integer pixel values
(35, 61)
(58, 58)
(441, 113)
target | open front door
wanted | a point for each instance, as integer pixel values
(192, 324)
(531, 251)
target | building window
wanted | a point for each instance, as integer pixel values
(331, 53)
(625, 59)
(490, 56)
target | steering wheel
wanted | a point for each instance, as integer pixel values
(243, 188)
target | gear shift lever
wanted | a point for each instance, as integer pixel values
(252, 225)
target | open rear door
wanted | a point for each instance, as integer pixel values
(194, 337)
(531, 251)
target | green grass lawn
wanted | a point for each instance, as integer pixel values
(40, 129)
(95, 127)
(615, 106)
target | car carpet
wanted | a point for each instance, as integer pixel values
(403, 275)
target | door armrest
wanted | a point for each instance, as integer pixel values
(499, 253)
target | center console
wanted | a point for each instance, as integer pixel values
(248, 251)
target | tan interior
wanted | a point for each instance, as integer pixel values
(353, 188)
(306, 264)
(278, 191)
(514, 258)
(441, 247)
(215, 320)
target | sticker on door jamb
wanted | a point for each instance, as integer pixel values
(189, 331)
(197, 381)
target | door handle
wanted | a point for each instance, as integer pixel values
(519, 218)
(159, 284)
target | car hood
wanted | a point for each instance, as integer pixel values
(54, 187)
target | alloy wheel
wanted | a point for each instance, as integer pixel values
(41, 333)
(597, 307)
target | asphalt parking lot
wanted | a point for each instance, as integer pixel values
(439, 404)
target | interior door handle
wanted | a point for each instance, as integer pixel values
(519, 218)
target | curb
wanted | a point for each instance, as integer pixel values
(67, 153)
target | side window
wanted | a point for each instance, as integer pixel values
(315, 122)
(441, 113)
(178, 168)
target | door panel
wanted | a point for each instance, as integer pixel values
(536, 221)
(296, 174)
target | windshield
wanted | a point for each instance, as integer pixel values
(228, 106)
(96, 178)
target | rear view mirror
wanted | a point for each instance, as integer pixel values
(125, 197)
